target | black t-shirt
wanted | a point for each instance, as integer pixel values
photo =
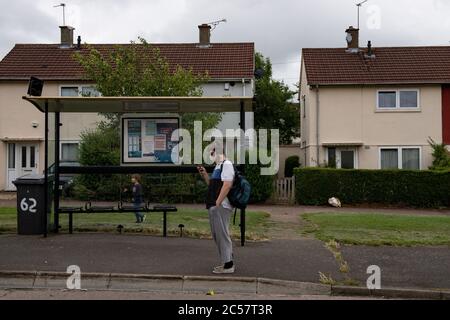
(137, 193)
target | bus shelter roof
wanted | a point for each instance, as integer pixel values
(140, 104)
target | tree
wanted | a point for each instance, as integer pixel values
(99, 146)
(274, 109)
(139, 69)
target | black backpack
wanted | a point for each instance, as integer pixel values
(239, 194)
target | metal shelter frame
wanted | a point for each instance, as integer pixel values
(58, 105)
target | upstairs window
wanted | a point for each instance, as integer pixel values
(77, 91)
(70, 92)
(387, 99)
(409, 99)
(398, 99)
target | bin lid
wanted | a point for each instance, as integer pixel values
(30, 179)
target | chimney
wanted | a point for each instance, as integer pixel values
(370, 54)
(205, 35)
(352, 40)
(66, 37)
(79, 42)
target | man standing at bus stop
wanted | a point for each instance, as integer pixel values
(219, 208)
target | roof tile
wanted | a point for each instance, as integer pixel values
(49, 62)
(391, 65)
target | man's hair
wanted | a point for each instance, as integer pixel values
(222, 149)
(137, 177)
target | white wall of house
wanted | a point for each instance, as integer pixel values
(226, 89)
(16, 129)
(23, 126)
(348, 115)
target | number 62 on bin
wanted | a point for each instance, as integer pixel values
(28, 204)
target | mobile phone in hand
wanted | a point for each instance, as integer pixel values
(201, 169)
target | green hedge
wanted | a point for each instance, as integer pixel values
(425, 189)
(290, 164)
(157, 188)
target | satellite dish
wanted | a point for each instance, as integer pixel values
(259, 73)
(35, 87)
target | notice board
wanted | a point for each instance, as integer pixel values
(148, 140)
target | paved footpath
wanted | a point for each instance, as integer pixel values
(296, 260)
(299, 260)
(54, 294)
(288, 256)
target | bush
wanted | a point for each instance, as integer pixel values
(290, 164)
(441, 156)
(174, 188)
(262, 186)
(99, 147)
(425, 189)
(157, 188)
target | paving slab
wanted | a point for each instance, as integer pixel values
(60, 282)
(142, 284)
(17, 282)
(193, 284)
(291, 288)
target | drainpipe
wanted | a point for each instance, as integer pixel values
(317, 124)
(243, 87)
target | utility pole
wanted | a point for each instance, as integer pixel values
(63, 5)
(359, 5)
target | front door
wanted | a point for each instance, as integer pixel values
(22, 160)
(446, 114)
(343, 158)
(347, 159)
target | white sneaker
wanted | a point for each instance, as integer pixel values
(222, 270)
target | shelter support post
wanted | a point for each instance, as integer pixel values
(46, 170)
(56, 190)
(70, 223)
(242, 125)
(165, 224)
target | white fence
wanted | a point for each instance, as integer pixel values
(284, 190)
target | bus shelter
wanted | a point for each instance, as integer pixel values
(55, 106)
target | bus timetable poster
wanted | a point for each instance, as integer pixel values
(148, 140)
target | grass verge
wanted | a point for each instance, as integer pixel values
(379, 229)
(195, 221)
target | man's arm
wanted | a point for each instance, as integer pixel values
(204, 174)
(226, 187)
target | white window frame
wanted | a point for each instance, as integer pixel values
(79, 86)
(7, 162)
(397, 100)
(66, 142)
(400, 155)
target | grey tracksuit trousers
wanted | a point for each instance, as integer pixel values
(219, 218)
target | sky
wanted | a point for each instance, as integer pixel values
(279, 28)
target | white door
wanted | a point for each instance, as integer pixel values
(23, 159)
(28, 158)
